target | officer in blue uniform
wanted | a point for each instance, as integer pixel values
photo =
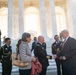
(56, 48)
(6, 52)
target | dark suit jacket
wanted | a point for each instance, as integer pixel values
(69, 51)
(40, 52)
(33, 46)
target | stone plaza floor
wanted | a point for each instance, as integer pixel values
(48, 73)
(51, 70)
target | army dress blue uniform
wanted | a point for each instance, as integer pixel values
(6, 53)
(56, 48)
(41, 54)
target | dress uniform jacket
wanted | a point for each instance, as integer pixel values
(41, 54)
(44, 45)
(6, 52)
(56, 48)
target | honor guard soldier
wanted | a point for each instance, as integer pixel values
(56, 48)
(6, 53)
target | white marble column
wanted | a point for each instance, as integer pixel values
(53, 18)
(16, 23)
(71, 15)
(43, 18)
(10, 18)
(21, 16)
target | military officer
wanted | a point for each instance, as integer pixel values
(56, 48)
(41, 54)
(6, 53)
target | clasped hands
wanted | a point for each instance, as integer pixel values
(49, 57)
(61, 57)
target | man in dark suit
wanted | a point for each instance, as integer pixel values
(41, 54)
(68, 54)
(56, 48)
(34, 43)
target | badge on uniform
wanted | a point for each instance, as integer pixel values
(6, 49)
(58, 49)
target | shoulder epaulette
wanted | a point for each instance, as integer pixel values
(3, 51)
(2, 47)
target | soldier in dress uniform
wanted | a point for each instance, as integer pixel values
(41, 54)
(56, 48)
(6, 52)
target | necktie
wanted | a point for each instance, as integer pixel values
(64, 43)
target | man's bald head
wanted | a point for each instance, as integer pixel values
(64, 33)
(41, 39)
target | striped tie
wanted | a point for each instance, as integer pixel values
(64, 43)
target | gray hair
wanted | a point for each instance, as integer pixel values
(25, 35)
(65, 31)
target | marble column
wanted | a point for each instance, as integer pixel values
(16, 23)
(43, 18)
(21, 16)
(10, 18)
(71, 16)
(53, 18)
